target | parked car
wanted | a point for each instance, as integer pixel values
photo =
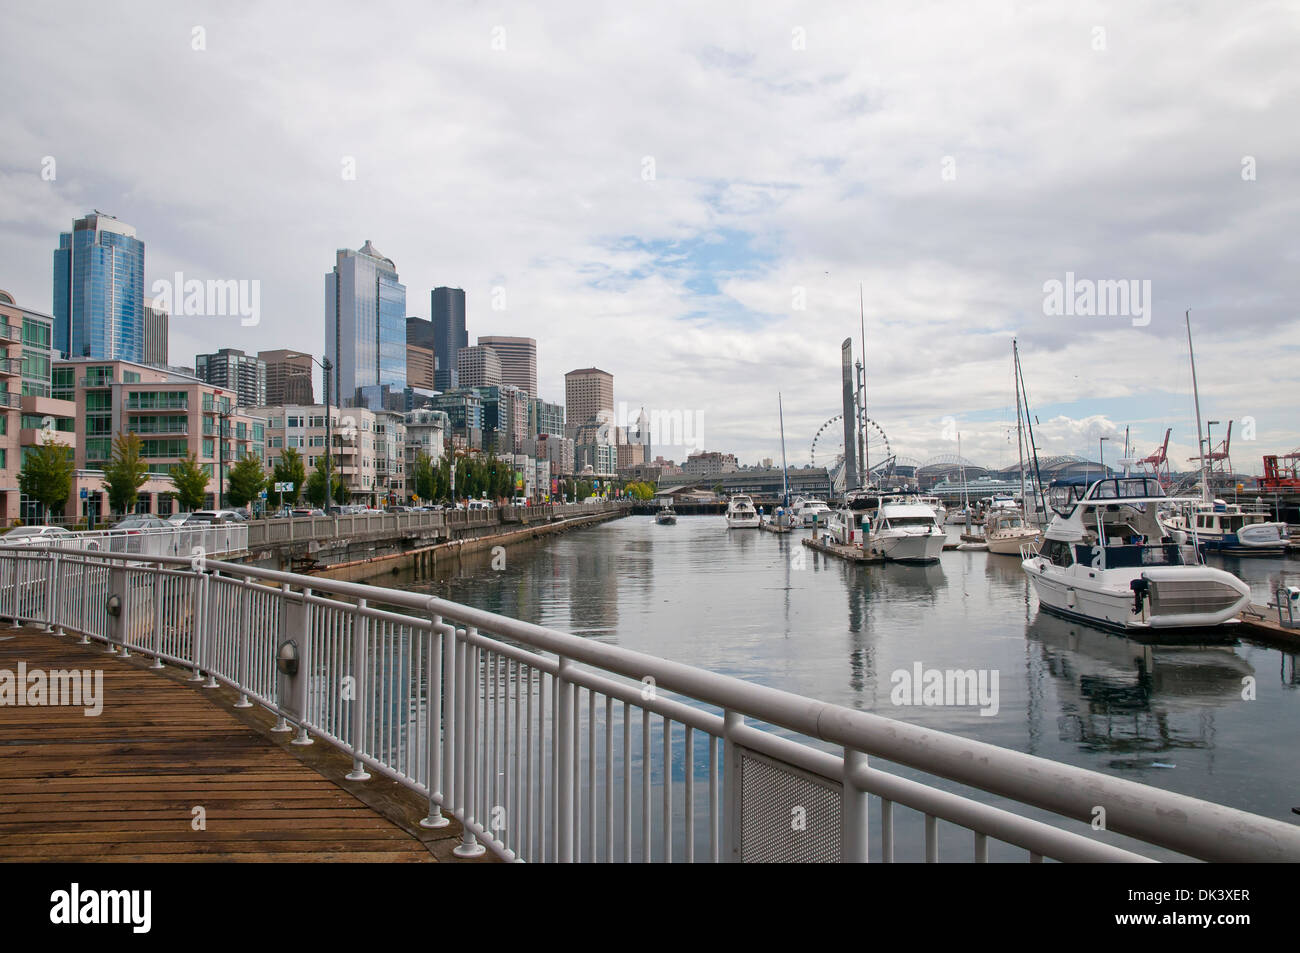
(143, 521)
(33, 536)
(480, 504)
(214, 516)
(307, 511)
(401, 509)
(178, 519)
(520, 501)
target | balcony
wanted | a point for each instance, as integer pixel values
(11, 366)
(10, 332)
(169, 404)
(10, 401)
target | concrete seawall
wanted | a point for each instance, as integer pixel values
(425, 560)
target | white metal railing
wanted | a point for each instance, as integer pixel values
(211, 539)
(546, 746)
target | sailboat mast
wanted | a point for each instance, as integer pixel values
(862, 390)
(1020, 434)
(1196, 396)
(961, 464)
(785, 473)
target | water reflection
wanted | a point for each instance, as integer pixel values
(1129, 697)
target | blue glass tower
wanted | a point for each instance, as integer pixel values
(99, 290)
(365, 326)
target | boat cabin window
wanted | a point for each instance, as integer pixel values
(1057, 552)
(895, 521)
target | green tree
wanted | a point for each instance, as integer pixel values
(289, 469)
(583, 491)
(246, 479)
(314, 489)
(424, 482)
(47, 475)
(125, 473)
(191, 483)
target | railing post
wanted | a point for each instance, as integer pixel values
(360, 631)
(159, 582)
(853, 811)
(83, 612)
(52, 597)
(199, 615)
(209, 630)
(304, 669)
(245, 641)
(51, 600)
(467, 688)
(564, 830)
(15, 586)
(281, 725)
(434, 721)
(731, 720)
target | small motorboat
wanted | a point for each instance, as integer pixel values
(666, 516)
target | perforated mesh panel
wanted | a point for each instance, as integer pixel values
(786, 815)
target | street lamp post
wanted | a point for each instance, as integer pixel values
(327, 366)
(222, 417)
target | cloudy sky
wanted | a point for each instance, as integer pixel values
(689, 196)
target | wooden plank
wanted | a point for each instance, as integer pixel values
(121, 786)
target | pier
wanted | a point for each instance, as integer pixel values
(509, 738)
(170, 771)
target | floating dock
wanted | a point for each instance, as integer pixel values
(1260, 622)
(773, 528)
(853, 554)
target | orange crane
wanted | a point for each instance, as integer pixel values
(1158, 462)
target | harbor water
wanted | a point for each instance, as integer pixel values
(1216, 721)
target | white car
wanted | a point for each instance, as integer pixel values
(33, 536)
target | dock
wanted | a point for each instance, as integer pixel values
(853, 554)
(773, 528)
(172, 771)
(1260, 622)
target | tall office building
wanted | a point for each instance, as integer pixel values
(588, 392)
(447, 309)
(365, 326)
(478, 367)
(288, 377)
(421, 359)
(99, 290)
(518, 360)
(234, 370)
(155, 334)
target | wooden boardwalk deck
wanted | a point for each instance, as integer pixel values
(123, 786)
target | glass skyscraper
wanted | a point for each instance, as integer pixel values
(99, 290)
(365, 325)
(447, 311)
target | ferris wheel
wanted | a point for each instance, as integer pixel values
(829, 441)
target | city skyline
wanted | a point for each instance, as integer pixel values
(712, 276)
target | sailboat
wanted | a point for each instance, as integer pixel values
(1005, 529)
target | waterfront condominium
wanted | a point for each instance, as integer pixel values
(365, 326)
(99, 290)
(518, 360)
(588, 394)
(447, 310)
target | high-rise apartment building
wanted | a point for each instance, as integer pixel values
(234, 370)
(99, 290)
(288, 377)
(156, 320)
(478, 367)
(365, 325)
(447, 311)
(518, 360)
(545, 418)
(588, 394)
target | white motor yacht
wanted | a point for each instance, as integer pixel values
(906, 532)
(1228, 529)
(741, 513)
(809, 511)
(1107, 559)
